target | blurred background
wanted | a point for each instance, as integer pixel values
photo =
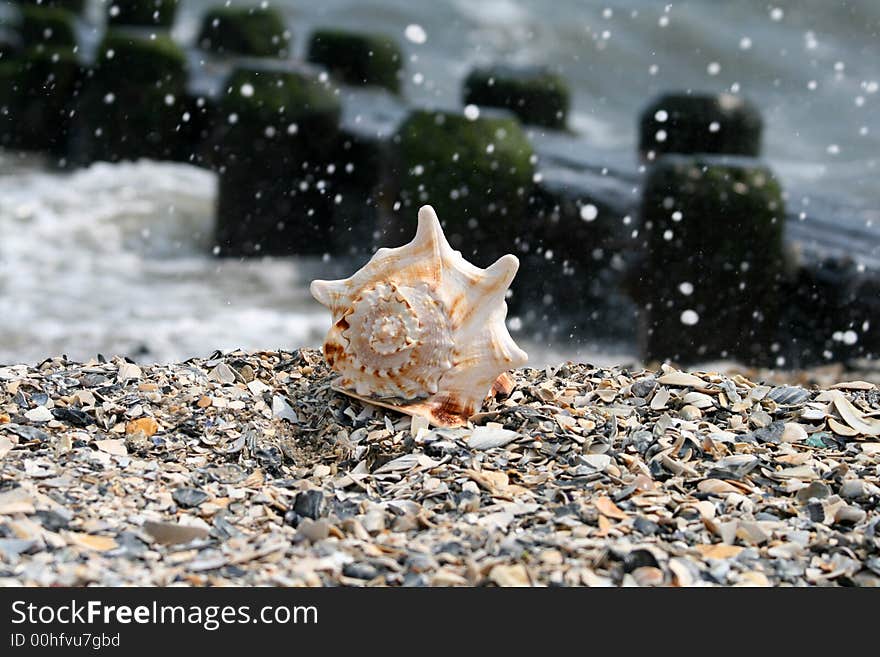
(685, 181)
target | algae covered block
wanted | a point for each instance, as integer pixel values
(11, 43)
(148, 13)
(357, 58)
(684, 123)
(275, 154)
(476, 173)
(250, 31)
(535, 94)
(713, 261)
(37, 99)
(47, 26)
(577, 237)
(129, 58)
(132, 105)
(832, 311)
(75, 6)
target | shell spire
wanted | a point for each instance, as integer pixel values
(419, 329)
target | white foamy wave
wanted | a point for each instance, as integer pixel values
(496, 13)
(116, 259)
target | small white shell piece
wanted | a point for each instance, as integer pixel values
(421, 330)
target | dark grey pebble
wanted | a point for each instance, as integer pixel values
(360, 570)
(309, 503)
(645, 526)
(772, 433)
(189, 497)
(788, 395)
(52, 520)
(94, 380)
(72, 416)
(26, 432)
(638, 559)
(643, 387)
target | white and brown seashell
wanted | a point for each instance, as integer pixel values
(421, 330)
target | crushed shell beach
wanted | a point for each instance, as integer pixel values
(248, 469)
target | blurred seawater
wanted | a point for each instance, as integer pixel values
(116, 258)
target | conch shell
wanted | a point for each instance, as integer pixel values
(419, 329)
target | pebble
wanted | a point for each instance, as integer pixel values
(360, 570)
(309, 504)
(189, 497)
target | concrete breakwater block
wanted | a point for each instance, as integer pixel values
(11, 44)
(75, 6)
(359, 160)
(47, 26)
(39, 80)
(357, 58)
(131, 104)
(478, 175)
(146, 13)
(685, 123)
(38, 92)
(713, 263)
(831, 312)
(249, 31)
(574, 254)
(276, 160)
(535, 94)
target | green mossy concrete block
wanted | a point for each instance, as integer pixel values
(10, 103)
(714, 262)
(477, 175)
(47, 26)
(133, 103)
(682, 123)
(147, 13)
(358, 59)
(279, 137)
(75, 6)
(250, 31)
(39, 91)
(132, 59)
(831, 313)
(536, 95)
(11, 44)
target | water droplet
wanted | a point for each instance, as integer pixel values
(689, 317)
(589, 212)
(415, 33)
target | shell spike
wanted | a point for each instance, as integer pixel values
(328, 293)
(500, 274)
(429, 230)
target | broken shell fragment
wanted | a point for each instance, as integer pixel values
(420, 330)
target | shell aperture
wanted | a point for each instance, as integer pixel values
(419, 329)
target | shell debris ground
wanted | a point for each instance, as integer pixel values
(248, 469)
